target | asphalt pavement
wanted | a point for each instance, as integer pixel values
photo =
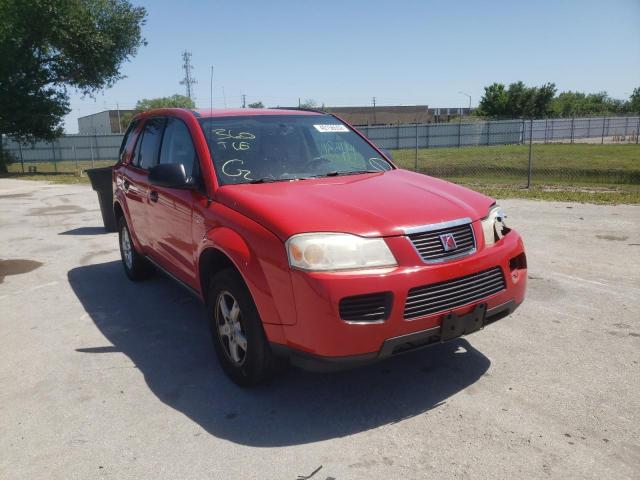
(104, 378)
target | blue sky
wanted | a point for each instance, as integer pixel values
(402, 52)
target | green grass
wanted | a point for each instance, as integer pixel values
(67, 167)
(563, 194)
(577, 164)
(67, 178)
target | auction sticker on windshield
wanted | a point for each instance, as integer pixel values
(331, 128)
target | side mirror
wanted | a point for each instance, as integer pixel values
(170, 175)
(387, 153)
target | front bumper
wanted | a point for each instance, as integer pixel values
(390, 347)
(319, 332)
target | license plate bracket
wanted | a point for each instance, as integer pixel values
(454, 325)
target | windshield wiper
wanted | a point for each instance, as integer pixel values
(266, 180)
(337, 173)
(272, 180)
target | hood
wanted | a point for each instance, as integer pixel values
(369, 205)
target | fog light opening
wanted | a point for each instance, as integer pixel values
(518, 263)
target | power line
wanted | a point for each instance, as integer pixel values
(188, 81)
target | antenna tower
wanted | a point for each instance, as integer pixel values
(188, 81)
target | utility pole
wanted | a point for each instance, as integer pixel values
(374, 110)
(188, 81)
(119, 121)
(244, 101)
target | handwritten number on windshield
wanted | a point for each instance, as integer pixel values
(227, 169)
(224, 134)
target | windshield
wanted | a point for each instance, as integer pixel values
(286, 147)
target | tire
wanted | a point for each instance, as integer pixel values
(135, 265)
(236, 329)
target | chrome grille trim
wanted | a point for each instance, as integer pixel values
(436, 226)
(445, 296)
(426, 240)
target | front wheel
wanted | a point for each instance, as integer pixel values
(135, 266)
(237, 333)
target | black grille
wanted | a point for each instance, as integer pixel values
(366, 308)
(431, 249)
(444, 296)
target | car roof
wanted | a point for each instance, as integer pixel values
(226, 112)
(241, 112)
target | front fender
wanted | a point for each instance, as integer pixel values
(259, 257)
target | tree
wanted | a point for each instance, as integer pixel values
(309, 103)
(517, 101)
(174, 101)
(494, 101)
(256, 105)
(542, 100)
(633, 105)
(569, 104)
(50, 46)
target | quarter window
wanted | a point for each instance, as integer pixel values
(128, 137)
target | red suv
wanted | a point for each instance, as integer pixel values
(304, 240)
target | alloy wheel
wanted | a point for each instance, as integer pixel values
(228, 321)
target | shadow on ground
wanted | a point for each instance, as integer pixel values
(163, 330)
(85, 231)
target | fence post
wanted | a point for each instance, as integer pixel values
(459, 131)
(589, 128)
(546, 123)
(488, 133)
(572, 122)
(638, 130)
(604, 119)
(91, 147)
(416, 159)
(21, 157)
(398, 135)
(523, 131)
(428, 127)
(530, 146)
(53, 151)
(626, 127)
(75, 157)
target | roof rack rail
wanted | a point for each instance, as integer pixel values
(316, 110)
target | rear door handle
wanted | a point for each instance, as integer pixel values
(153, 196)
(126, 185)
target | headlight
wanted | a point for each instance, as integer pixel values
(337, 251)
(493, 225)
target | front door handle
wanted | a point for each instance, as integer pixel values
(153, 196)
(126, 185)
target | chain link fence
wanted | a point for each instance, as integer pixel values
(570, 151)
(567, 151)
(504, 132)
(68, 154)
